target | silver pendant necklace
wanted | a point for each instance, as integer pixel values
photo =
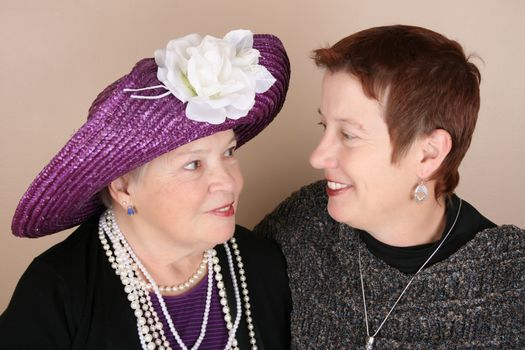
(369, 340)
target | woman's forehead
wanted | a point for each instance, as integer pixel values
(204, 145)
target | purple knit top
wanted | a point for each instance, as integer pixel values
(187, 310)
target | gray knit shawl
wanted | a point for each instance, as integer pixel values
(475, 299)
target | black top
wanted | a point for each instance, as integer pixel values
(71, 298)
(409, 259)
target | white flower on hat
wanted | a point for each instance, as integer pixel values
(217, 77)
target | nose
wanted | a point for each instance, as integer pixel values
(324, 156)
(226, 177)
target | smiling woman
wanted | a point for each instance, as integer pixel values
(162, 264)
(382, 254)
(367, 189)
(206, 178)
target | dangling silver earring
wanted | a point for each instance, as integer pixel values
(421, 192)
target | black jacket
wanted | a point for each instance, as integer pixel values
(71, 298)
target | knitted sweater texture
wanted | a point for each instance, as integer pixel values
(475, 299)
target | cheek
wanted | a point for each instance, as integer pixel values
(361, 167)
(349, 161)
(180, 195)
(236, 175)
(185, 206)
(389, 185)
(149, 191)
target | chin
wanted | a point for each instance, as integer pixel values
(337, 212)
(222, 233)
(344, 215)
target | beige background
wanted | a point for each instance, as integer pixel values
(57, 55)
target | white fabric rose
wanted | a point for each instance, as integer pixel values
(217, 77)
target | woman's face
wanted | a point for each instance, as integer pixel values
(189, 196)
(365, 189)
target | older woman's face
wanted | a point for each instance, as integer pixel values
(189, 196)
(365, 190)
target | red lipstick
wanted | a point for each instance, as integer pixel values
(336, 191)
(224, 211)
(331, 192)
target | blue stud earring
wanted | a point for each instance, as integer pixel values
(130, 209)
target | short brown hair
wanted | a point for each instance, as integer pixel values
(425, 81)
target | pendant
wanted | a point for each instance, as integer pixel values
(369, 345)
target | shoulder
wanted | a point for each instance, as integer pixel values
(259, 250)
(489, 269)
(268, 286)
(252, 242)
(308, 202)
(61, 273)
(302, 214)
(73, 252)
(498, 251)
(65, 266)
(504, 241)
(497, 240)
(262, 258)
(50, 294)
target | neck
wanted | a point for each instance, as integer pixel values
(416, 224)
(167, 262)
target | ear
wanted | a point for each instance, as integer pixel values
(435, 147)
(119, 191)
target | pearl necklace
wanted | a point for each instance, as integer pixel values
(369, 341)
(188, 283)
(150, 330)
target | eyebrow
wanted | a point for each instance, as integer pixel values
(200, 150)
(343, 120)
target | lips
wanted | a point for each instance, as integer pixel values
(334, 188)
(224, 211)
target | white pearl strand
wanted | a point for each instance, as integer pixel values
(188, 283)
(136, 289)
(246, 297)
(149, 327)
(126, 265)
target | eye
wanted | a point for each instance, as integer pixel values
(348, 136)
(230, 151)
(193, 165)
(322, 124)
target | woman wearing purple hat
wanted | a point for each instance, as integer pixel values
(151, 177)
(383, 254)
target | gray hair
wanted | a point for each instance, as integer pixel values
(134, 175)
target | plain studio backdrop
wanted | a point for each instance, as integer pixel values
(56, 56)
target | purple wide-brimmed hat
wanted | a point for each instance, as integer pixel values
(130, 123)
